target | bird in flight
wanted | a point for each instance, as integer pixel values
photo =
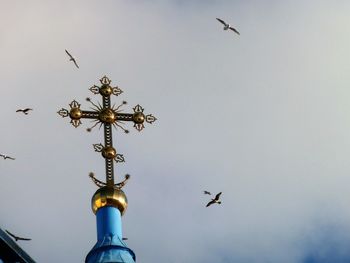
(6, 157)
(71, 58)
(206, 192)
(25, 111)
(16, 237)
(215, 200)
(227, 26)
(124, 238)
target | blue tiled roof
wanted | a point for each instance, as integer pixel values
(11, 252)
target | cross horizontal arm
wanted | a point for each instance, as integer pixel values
(89, 114)
(125, 116)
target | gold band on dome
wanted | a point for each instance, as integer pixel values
(109, 196)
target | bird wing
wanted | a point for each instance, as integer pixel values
(19, 110)
(69, 54)
(9, 157)
(22, 238)
(75, 63)
(206, 192)
(8, 232)
(27, 109)
(234, 30)
(2, 155)
(221, 21)
(210, 203)
(218, 196)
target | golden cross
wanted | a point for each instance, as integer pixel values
(107, 116)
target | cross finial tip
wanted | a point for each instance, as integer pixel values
(105, 80)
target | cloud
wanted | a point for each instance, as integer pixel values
(262, 117)
(327, 243)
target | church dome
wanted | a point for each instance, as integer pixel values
(109, 196)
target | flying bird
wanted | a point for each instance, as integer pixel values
(215, 200)
(71, 58)
(206, 192)
(16, 237)
(124, 238)
(25, 111)
(6, 157)
(227, 26)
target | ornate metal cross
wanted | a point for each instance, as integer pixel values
(107, 116)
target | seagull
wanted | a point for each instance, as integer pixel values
(25, 111)
(17, 238)
(206, 192)
(215, 200)
(124, 238)
(6, 157)
(71, 58)
(227, 26)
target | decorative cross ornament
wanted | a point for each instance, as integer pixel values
(106, 116)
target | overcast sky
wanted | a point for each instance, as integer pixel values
(263, 117)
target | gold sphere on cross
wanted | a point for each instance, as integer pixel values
(75, 113)
(109, 152)
(107, 116)
(138, 117)
(106, 90)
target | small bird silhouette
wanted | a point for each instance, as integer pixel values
(6, 157)
(25, 111)
(206, 192)
(215, 200)
(227, 26)
(17, 237)
(124, 238)
(71, 58)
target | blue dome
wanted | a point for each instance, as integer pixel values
(110, 249)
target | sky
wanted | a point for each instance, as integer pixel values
(263, 117)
